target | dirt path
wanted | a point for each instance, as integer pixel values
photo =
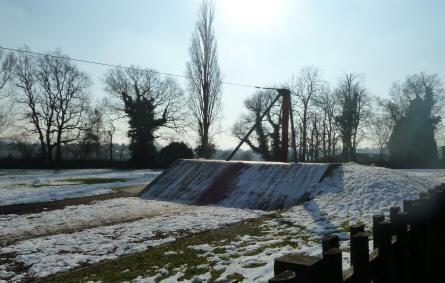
(26, 208)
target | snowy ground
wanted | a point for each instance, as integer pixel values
(51, 254)
(25, 186)
(436, 174)
(79, 217)
(352, 193)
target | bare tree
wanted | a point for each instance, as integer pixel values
(354, 103)
(380, 130)
(6, 119)
(204, 78)
(98, 131)
(401, 94)
(150, 103)
(266, 138)
(7, 64)
(92, 134)
(305, 87)
(328, 109)
(109, 118)
(52, 93)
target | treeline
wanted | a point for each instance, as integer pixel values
(46, 100)
(52, 105)
(331, 121)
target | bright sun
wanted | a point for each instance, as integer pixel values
(250, 13)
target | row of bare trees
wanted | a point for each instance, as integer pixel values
(51, 101)
(53, 105)
(325, 118)
(332, 122)
(54, 108)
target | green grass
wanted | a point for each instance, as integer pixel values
(46, 185)
(255, 265)
(141, 264)
(219, 251)
(344, 226)
(76, 181)
(92, 181)
(236, 276)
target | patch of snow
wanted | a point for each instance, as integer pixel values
(16, 186)
(356, 192)
(204, 247)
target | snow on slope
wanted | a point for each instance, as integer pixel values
(51, 254)
(356, 192)
(437, 174)
(255, 185)
(26, 186)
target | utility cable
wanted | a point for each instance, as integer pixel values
(122, 67)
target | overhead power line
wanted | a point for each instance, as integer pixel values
(122, 67)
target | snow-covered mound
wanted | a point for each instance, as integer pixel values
(254, 185)
(355, 193)
(356, 190)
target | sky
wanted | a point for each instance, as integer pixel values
(260, 42)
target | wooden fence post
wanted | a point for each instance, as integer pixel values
(438, 244)
(360, 256)
(434, 194)
(284, 277)
(415, 267)
(330, 241)
(376, 219)
(384, 245)
(332, 259)
(393, 211)
(333, 269)
(356, 228)
(425, 207)
(402, 249)
(307, 268)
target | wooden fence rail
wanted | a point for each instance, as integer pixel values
(407, 247)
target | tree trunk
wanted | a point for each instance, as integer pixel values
(110, 147)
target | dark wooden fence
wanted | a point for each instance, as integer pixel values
(407, 247)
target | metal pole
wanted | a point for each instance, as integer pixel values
(294, 146)
(254, 126)
(284, 124)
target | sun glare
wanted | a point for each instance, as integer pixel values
(250, 13)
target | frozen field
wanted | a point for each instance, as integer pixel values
(25, 186)
(41, 244)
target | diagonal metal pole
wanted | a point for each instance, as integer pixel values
(254, 126)
(291, 116)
